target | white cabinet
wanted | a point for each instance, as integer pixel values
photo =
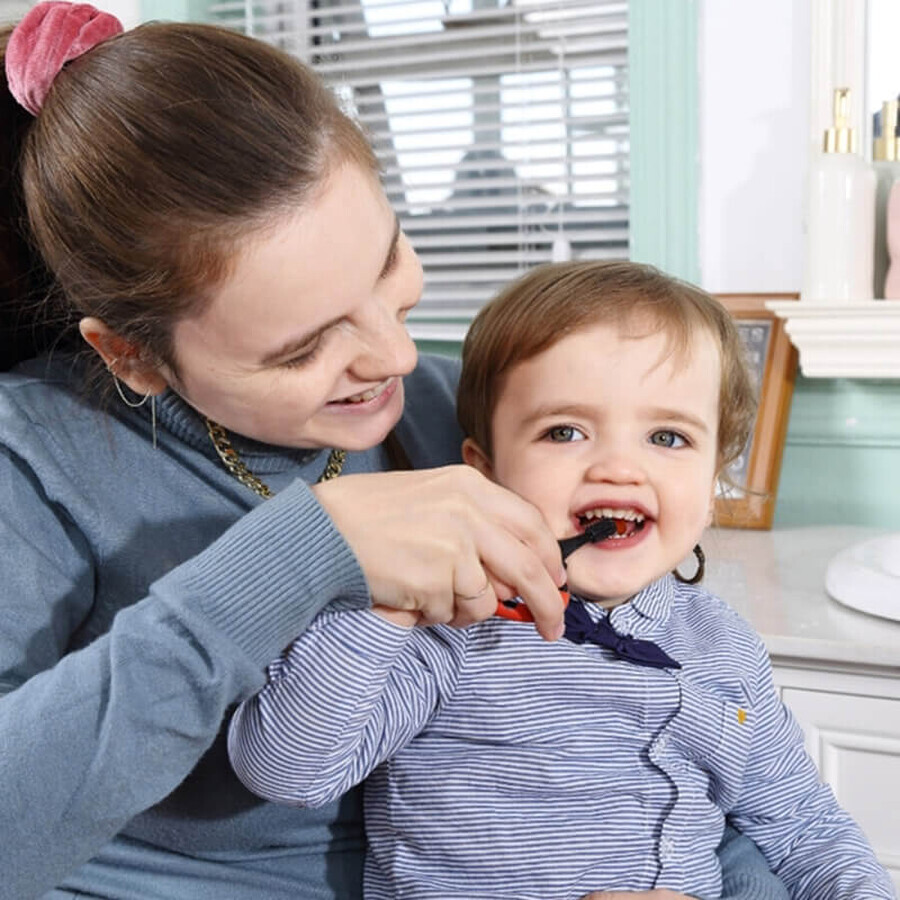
(837, 669)
(852, 728)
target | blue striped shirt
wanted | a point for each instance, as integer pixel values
(504, 766)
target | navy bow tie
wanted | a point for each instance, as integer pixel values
(580, 627)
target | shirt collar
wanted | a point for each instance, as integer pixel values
(649, 606)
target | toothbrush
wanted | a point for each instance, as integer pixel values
(598, 530)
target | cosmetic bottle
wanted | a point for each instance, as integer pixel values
(892, 243)
(840, 236)
(886, 164)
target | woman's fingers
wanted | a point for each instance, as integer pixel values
(517, 569)
(475, 607)
(447, 543)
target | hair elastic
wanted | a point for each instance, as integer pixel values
(50, 35)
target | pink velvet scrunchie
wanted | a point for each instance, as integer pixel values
(49, 36)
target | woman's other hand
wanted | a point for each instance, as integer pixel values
(447, 544)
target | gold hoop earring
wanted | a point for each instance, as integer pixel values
(697, 577)
(132, 405)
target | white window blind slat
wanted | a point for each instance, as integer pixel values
(535, 87)
(437, 113)
(500, 125)
(547, 221)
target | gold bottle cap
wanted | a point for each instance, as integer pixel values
(840, 138)
(886, 146)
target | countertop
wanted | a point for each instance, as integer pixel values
(776, 580)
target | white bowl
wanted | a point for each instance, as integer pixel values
(866, 576)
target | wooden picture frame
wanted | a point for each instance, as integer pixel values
(773, 360)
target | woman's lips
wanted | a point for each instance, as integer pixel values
(367, 401)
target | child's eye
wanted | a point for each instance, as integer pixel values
(563, 434)
(666, 438)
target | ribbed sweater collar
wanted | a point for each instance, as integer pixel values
(173, 414)
(189, 427)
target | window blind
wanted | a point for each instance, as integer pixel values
(501, 127)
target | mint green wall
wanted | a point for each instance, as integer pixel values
(173, 10)
(842, 456)
(662, 84)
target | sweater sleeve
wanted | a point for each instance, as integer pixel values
(808, 839)
(91, 738)
(350, 693)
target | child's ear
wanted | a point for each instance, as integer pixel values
(475, 457)
(711, 512)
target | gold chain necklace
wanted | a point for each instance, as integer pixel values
(238, 468)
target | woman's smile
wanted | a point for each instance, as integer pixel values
(363, 400)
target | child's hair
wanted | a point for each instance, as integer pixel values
(552, 301)
(154, 156)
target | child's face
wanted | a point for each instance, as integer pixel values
(604, 422)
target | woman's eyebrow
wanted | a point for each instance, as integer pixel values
(392, 247)
(293, 345)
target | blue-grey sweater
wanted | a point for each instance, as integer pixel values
(142, 593)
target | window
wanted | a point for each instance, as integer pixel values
(501, 126)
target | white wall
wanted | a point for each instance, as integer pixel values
(127, 11)
(754, 115)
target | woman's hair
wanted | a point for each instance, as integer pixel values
(154, 156)
(552, 301)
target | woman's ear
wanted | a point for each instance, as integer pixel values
(475, 457)
(123, 358)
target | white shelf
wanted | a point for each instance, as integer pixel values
(859, 339)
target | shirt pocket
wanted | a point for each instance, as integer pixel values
(716, 734)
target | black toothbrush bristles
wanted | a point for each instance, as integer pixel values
(598, 530)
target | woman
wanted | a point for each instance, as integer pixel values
(215, 230)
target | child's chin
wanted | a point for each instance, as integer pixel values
(600, 583)
(605, 596)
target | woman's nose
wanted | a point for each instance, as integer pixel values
(388, 349)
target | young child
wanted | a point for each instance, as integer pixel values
(504, 766)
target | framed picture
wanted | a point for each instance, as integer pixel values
(746, 499)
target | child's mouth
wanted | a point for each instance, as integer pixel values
(627, 521)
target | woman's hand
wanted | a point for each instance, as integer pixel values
(447, 544)
(655, 894)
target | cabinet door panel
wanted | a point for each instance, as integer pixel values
(855, 742)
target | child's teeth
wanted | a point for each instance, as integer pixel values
(609, 512)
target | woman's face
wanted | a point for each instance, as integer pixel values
(304, 345)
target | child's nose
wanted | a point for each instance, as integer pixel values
(616, 466)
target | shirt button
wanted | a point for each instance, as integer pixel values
(666, 849)
(662, 742)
